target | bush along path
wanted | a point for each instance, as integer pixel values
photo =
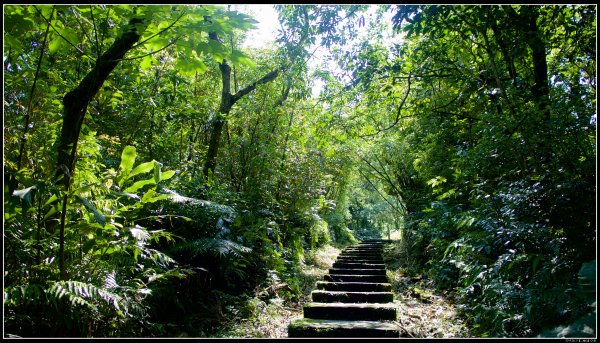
(353, 300)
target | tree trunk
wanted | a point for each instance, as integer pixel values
(76, 101)
(227, 102)
(526, 21)
(75, 105)
(539, 90)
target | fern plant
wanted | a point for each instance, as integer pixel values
(113, 262)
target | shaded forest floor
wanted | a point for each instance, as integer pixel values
(271, 318)
(422, 312)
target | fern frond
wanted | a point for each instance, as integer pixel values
(215, 246)
(85, 294)
(110, 280)
(20, 294)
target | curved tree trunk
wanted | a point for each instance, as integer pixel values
(75, 105)
(76, 101)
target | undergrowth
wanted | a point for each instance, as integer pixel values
(423, 312)
(267, 312)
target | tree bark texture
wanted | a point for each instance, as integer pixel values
(227, 102)
(75, 105)
(540, 90)
(76, 101)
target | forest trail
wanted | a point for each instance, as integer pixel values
(354, 300)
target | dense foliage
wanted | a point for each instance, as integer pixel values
(159, 177)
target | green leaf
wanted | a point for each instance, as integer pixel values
(52, 211)
(146, 63)
(190, 66)
(167, 175)
(25, 194)
(157, 167)
(97, 215)
(238, 57)
(127, 161)
(142, 168)
(138, 185)
(217, 50)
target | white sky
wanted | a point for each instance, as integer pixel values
(267, 27)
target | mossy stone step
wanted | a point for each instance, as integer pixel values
(360, 259)
(342, 328)
(360, 253)
(376, 241)
(355, 278)
(372, 256)
(355, 286)
(353, 265)
(364, 247)
(367, 249)
(350, 311)
(369, 253)
(351, 297)
(357, 271)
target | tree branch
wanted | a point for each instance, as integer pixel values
(61, 36)
(265, 79)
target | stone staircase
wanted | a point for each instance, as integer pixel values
(353, 300)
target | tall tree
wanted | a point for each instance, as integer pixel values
(76, 101)
(227, 101)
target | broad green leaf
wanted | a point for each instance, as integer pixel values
(127, 161)
(217, 50)
(52, 199)
(142, 168)
(146, 63)
(167, 175)
(157, 171)
(190, 66)
(52, 211)
(238, 57)
(25, 194)
(97, 215)
(133, 188)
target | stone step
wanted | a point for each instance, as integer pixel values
(367, 253)
(348, 311)
(355, 278)
(355, 286)
(342, 328)
(377, 258)
(376, 241)
(364, 247)
(357, 271)
(362, 251)
(351, 297)
(361, 257)
(360, 260)
(353, 265)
